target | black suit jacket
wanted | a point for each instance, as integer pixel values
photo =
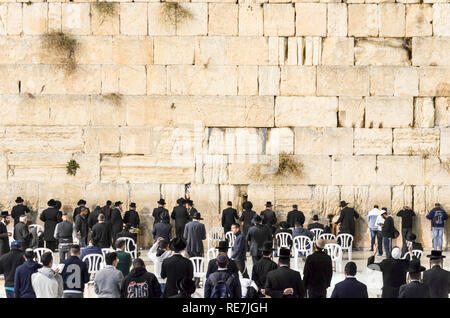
(318, 271)
(229, 216)
(174, 268)
(414, 290)
(350, 288)
(101, 235)
(50, 217)
(116, 222)
(158, 214)
(180, 215)
(347, 220)
(132, 217)
(261, 269)
(4, 239)
(438, 280)
(17, 211)
(280, 279)
(257, 235)
(294, 216)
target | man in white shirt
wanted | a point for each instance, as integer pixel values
(380, 221)
(47, 283)
(372, 225)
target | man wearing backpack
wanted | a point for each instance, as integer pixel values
(222, 284)
(438, 217)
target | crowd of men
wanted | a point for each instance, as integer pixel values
(87, 233)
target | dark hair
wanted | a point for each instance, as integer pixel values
(415, 275)
(298, 223)
(376, 206)
(75, 249)
(101, 217)
(384, 209)
(267, 253)
(163, 244)
(108, 202)
(284, 261)
(110, 258)
(236, 225)
(437, 205)
(229, 203)
(120, 243)
(222, 265)
(46, 258)
(137, 263)
(350, 268)
(30, 255)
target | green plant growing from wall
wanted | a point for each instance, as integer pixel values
(72, 167)
(285, 166)
(173, 13)
(63, 46)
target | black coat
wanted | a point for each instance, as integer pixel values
(17, 211)
(318, 271)
(414, 289)
(212, 267)
(162, 229)
(106, 210)
(394, 274)
(22, 234)
(350, 288)
(294, 216)
(191, 212)
(247, 217)
(140, 284)
(174, 268)
(316, 226)
(92, 219)
(116, 222)
(269, 219)
(438, 280)
(101, 235)
(77, 211)
(229, 216)
(158, 214)
(81, 225)
(347, 220)
(50, 217)
(261, 269)
(257, 235)
(132, 217)
(181, 217)
(4, 239)
(8, 264)
(280, 279)
(388, 227)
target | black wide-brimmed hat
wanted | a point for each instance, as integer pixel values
(268, 204)
(189, 201)
(343, 204)
(51, 202)
(19, 200)
(178, 244)
(197, 216)
(284, 225)
(435, 254)
(186, 285)
(223, 246)
(315, 217)
(294, 206)
(161, 201)
(267, 246)
(411, 237)
(132, 205)
(80, 202)
(284, 253)
(181, 201)
(4, 214)
(415, 267)
(247, 205)
(117, 203)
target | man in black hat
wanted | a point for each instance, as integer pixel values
(186, 287)
(247, 217)
(4, 234)
(315, 223)
(163, 229)
(269, 218)
(132, 217)
(229, 216)
(239, 249)
(436, 278)
(159, 212)
(51, 216)
(101, 233)
(411, 241)
(284, 282)
(176, 267)
(407, 223)
(181, 217)
(212, 264)
(347, 219)
(318, 271)
(81, 204)
(257, 235)
(295, 216)
(195, 234)
(18, 210)
(190, 209)
(116, 221)
(106, 210)
(263, 267)
(414, 289)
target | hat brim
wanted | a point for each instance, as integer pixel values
(421, 269)
(435, 256)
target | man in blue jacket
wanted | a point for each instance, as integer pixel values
(239, 249)
(75, 274)
(22, 278)
(350, 287)
(438, 217)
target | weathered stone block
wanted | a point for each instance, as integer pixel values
(105, 110)
(94, 50)
(419, 19)
(247, 51)
(211, 169)
(416, 141)
(431, 51)
(400, 170)
(280, 140)
(250, 19)
(259, 195)
(445, 141)
(247, 80)
(210, 51)
(342, 81)
(383, 112)
(362, 20)
(105, 24)
(35, 18)
(351, 112)
(298, 80)
(279, 20)
(176, 141)
(196, 23)
(437, 170)
(101, 140)
(76, 18)
(392, 19)
(286, 196)
(136, 140)
(337, 19)
(381, 52)
(174, 50)
(223, 19)
(99, 192)
(394, 81)
(401, 196)
(423, 112)
(434, 81)
(442, 114)
(269, 80)
(156, 80)
(441, 19)
(372, 141)
(14, 19)
(353, 170)
(54, 18)
(160, 19)
(136, 50)
(338, 51)
(110, 79)
(132, 80)
(311, 19)
(323, 141)
(133, 18)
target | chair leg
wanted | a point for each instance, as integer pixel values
(350, 254)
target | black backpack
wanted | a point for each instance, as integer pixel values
(221, 288)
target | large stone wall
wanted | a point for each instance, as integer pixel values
(172, 100)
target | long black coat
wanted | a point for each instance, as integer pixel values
(17, 211)
(261, 269)
(247, 217)
(174, 268)
(280, 279)
(92, 219)
(229, 216)
(438, 280)
(318, 271)
(101, 235)
(347, 220)
(295, 216)
(50, 217)
(116, 222)
(4, 239)
(257, 235)
(132, 217)
(162, 229)
(414, 290)
(269, 219)
(394, 274)
(181, 217)
(194, 234)
(158, 214)
(81, 225)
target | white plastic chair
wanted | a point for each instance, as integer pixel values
(230, 237)
(95, 264)
(335, 252)
(416, 253)
(345, 240)
(317, 233)
(106, 251)
(283, 240)
(301, 244)
(327, 236)
(128, 243)
(39, 228)
(215, 235)
(212, 253)
(198, 263)
(39, 251)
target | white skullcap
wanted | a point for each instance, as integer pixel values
(396, 253)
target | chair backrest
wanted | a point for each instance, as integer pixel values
(129, 242)
(334, 250)
(106, 251)
(283, 239)
(94, 262)
(345, 240)
(417, 253)
(212, 253)
(39, 251)
(327, 236)
(302, 243)
(317, 233)
(37, 226)
(198, 262)
(230, 238)
(216, 233)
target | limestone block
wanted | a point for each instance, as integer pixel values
(434, 81)
(298, 80)
(441, 19)
(337, 19)
(269, 80)
(176, 141)
(397, 81)
(145, 196)
(171, 193)
(247, 51)
(400, 170)
(351, 112)
(274, 50)
(437, 170)
(4, 169)
(76, 18)
(313, 49)
(406, 82)
(223, 19)
(381, 195)
(211, 169)
(292, 51)
(286, 196)
(363, 20)
(342, 81)
(156, 80)
(279, 20)
(250, 19)
(133, 18)
(35, 18)
(247, 80)
(246, 141)
(214, 141)
(106, 111)
(136, 140)
(9, 79)
(58, 106)
(94, 50)
(17, 109)
(431, 51)
(67, 193)
(231, 193)
(325, 200)
(99, 192)
(401, 196)
(419, 19)
(381, 52)
(423, 112)
(136, 50)
(311, 19)
(353, 170)
(445, 141)
(106, 24)
(442, 114)
(101, 140)
(110, 79)
(54, 18)
(14, 19)
(384, 112)
(338, 51)
(240, 111)
(210, 50)
(306, 111)
(196, 23)
(160, 20)
(323, 141)
(392, 19)
(372, 141)
(259, 195)
(174, 50)
(132, 80)
(197, 80)
(280, 140)
(3, 16)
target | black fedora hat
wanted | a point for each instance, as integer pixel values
(223, 246)
(294, 206)
(186, 285)
(247, 205)
(268, 204)
(189, 201)
(181, 201)
(117, 203)
(161, 201)
(132, 205)
(315, 217)
(284, 253)
(51, 202)
(415, 267)
(436, 255)
(19, 200)
(343, 204)
(177, 244)
(80, 202)
(4, 214)
(267, 246)
(411, 237)
(197, 216)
